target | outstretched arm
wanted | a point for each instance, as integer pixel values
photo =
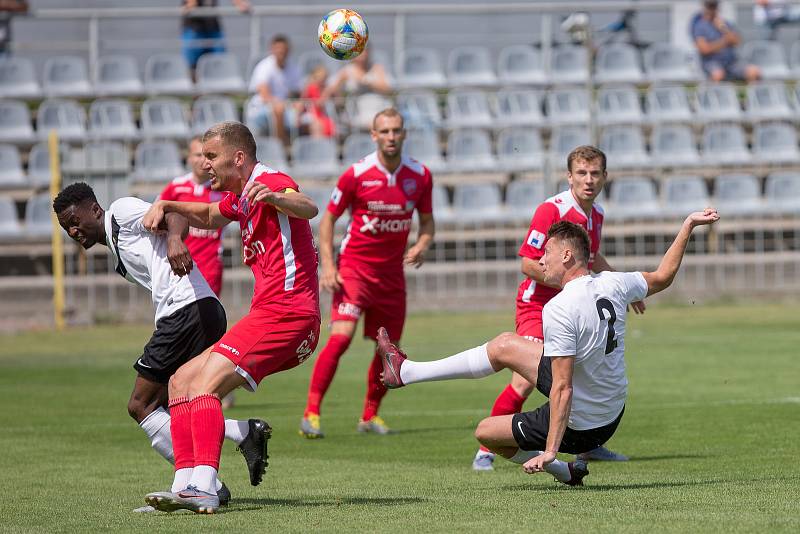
(662, 278)
(288, 201)
(199, 214)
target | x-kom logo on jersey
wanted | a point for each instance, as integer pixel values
(369, 224)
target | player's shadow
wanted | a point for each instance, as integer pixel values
(241, 505)
(613, 487)
(666, 457)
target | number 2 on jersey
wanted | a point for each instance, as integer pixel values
(605, 304)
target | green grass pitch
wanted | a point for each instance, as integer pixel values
(712, 426)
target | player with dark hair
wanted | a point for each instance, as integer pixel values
(188, 316)
(280, 331)
(381, 192)
(580, 367)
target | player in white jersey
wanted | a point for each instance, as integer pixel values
(188, 316)
(580, 367)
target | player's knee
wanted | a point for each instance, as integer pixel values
(178, 384)
(138, 409)
(500, 347)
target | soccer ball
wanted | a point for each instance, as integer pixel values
(342, 34)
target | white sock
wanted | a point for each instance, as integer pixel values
(472, 363)
(181, 480)
(204, 478)
(156, 426)
(522, 456)
(236, 430)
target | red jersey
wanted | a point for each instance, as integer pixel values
(205, 246)
(562, 207)
(381, 206)
(278, 248)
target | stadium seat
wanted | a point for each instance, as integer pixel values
(10, 228)
(112, 119)
(518, 107)
(421, 68)
(468, 108)
(768, 56)
(668, 103)
(314, 158)
(66, 76)
(118, 76)
(157, 161)
(522, 198)
(782, 193)
(38, 223)
(666, 63)
(673, 145)
(270, 152)
(210, 110)
(794, 59)
(320, 196)
(11, 174)
(618, 63)
(470, 66)
(618, 105)
(563, 141)
(520, 149)
(469, 150)
(569, 64)
(725, 144)
(107, 157)
(624, 146)
(420, 109)
(682, 195)
(718, 102)
(633, 198)
(521, 65)
(39, 164)
(567, 106)
(361, 109)
(167, 74)
(423, 145)
(477, 204)
(67, 117)
(356, 146)
(775, 142)
(219, 73)
(442, 210)
(18, 78)
(164, 118)
(767, 101)
(738, 194)
(15, 123)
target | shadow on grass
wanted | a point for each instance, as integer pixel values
(666, 457)
(614, 487)
(243, 505)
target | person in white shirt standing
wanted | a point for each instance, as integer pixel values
(580, 367)
(188, 316)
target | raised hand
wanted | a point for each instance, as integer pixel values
(700, 218)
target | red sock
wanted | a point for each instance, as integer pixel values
(324, 369)
(180, 426)
(208, 429)
(507, 403)
(375, 389)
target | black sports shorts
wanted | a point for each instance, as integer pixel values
(180, 337)
(530, 428)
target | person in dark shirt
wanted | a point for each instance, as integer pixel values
(200, 30)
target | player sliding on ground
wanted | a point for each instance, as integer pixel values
(580, 367)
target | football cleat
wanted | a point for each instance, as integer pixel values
(483, 461)
(254, 449)
(392, 358)
(310, 427)
(375, 424)
(190, 498)
(224, 495)
(602, 454)
(144, 510)
(577, 470)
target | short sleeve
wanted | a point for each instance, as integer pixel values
(128, 212)
(168, 193)
(634, 286)
(260, 75)
(544, 217)
(277, 181)
(229, 207)
(560, 337)
(425, 203)
(343, 194)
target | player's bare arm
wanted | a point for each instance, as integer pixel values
(532, 269)
(600, 264)
(177, 252)
(662, 278)
(416, 254)
(288, 201)
(560, 404)
(330, 279)
(199, 214)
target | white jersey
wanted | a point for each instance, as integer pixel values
(587, 320)
(141, 257)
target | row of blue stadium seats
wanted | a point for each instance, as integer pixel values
(420, 67)
(626, 199)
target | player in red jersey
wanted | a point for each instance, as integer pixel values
(279, 332)
(381, 191)
(586, 173)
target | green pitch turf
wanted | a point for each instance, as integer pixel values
(712, 427)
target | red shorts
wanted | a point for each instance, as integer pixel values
(263, 343)
(529, 322)
(382, 300)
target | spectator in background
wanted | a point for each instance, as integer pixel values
(360, 76)
(275, 79)
(769, 15)
(716, 41)
(199, 28)
(7, 9)
(315, 119)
